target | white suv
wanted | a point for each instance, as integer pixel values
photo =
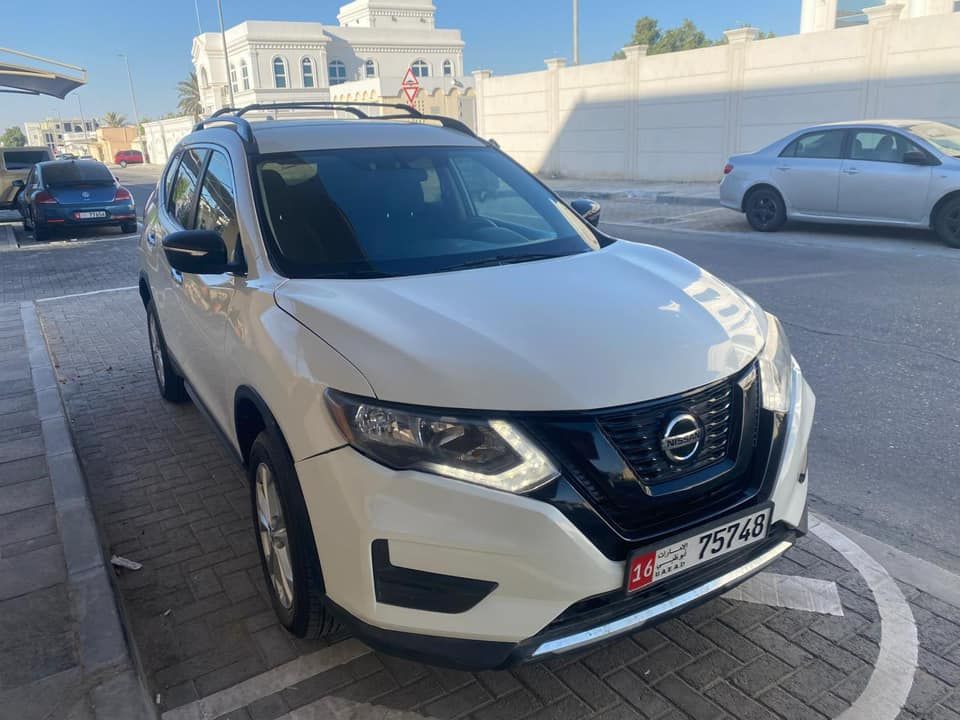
(478, 431)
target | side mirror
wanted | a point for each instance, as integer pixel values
(589, 210)
(201, 252)
(18, 184)
(915, 157)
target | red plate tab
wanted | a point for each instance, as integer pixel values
(641, 571)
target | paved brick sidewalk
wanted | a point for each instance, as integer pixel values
(62, 650)
(168, 495)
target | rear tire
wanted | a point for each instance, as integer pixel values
(288, 554)
(947, 223)
(123, 163)
(128, 227)
(41, 233)
(169, 382)
(765, 210)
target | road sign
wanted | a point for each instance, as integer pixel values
(411, 86)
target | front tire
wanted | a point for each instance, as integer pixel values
(123, 163)
(168, 382)
(288, 554)
(765, 210)
(947, 223)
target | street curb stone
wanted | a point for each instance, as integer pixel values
(102, 636)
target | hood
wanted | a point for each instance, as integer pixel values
(622, 325)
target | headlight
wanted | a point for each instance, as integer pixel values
(775, 367)
(493, 453)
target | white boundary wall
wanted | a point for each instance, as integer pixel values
(678, 116)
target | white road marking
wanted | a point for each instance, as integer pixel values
(85, 294)
(270, 682)
(334, 708)
(892, 678)
(789, 591)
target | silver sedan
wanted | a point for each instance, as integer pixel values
(891, 172)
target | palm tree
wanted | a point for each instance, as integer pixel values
(188, 92)
(113, 119)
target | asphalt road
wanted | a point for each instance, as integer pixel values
(872, 318)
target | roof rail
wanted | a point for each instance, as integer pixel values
(234, 116)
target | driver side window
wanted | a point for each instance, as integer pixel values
(495, 199)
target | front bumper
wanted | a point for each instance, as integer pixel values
(540, 565)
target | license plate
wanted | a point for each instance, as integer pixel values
(651, 565)
(90, 215)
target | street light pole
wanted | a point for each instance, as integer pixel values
(133, 96)
(576, 32)
(226, 57)
(196, 6)
(82, 118)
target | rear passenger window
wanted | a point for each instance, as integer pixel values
(217, 208)
(168, 178)
(184, 187)
(826, 144)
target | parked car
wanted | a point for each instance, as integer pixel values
(128, 157)
(891, 172)
(15, 163)
(477, 430)
(65, 156)
(71, 193)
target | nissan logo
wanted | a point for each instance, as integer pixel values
(681, 438)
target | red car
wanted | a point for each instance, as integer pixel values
(128, 157)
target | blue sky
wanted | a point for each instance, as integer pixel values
(503, 35)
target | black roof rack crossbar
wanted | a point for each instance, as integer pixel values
(234, 116)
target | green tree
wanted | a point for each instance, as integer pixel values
(188, 92)
(646, 31)
(114, 119)
(686, 37)
(13, 137)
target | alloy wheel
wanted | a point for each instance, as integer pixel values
(763, 210)
(273, 535)
(156, 351)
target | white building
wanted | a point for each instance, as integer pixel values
(50, 132)
(819, 15)
(374, 44)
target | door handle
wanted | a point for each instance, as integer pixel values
(850, 171)
(177, 276)
(783, 168)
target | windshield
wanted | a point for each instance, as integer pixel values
(375, 212)
(76, 173)
(945, 137)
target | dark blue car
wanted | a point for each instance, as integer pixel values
(71, 193)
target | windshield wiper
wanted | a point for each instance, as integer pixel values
(500, 260)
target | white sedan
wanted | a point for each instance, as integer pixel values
(891, 172)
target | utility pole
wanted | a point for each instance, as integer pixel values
(136, 113)
(576, 32)
(82, 118)
(226, 58)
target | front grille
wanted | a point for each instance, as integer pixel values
(636, 433)
(614, 460)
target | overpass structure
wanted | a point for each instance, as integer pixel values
(54, 78)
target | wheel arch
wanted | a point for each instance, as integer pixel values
(952, 195)
(761, 185)
(251, 416)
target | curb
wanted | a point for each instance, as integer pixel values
(660, 198)
(102, 641)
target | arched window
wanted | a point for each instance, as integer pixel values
(447, 68)
(306, 66)
(338, 72)
(233, 78)
(204, 81)
(370, 68)
(420, 69)
(279, 73)
(244, 74)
